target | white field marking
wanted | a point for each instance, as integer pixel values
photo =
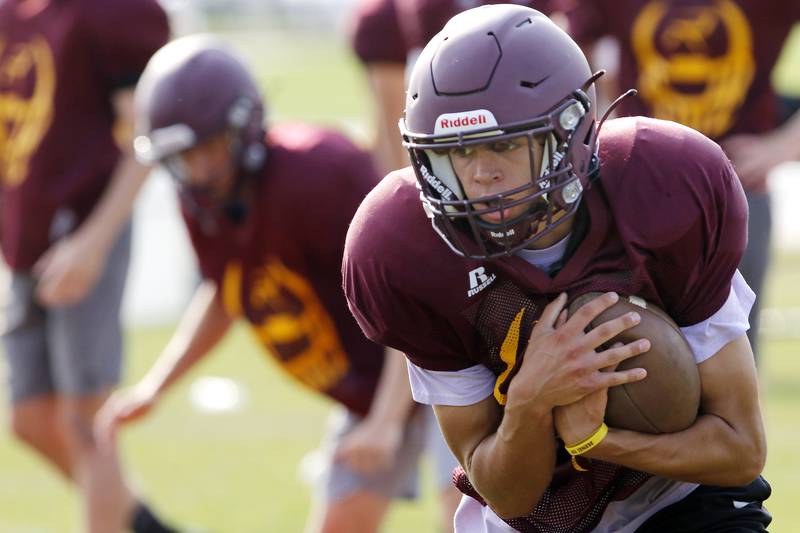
(213, 395)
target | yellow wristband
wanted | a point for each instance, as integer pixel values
(589, 442)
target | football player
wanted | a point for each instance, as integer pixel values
(68, 180)
(527, 201)
(707, 64)
(267, 214)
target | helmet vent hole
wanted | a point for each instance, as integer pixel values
(531, 84)
(526, 21)
(415, 96)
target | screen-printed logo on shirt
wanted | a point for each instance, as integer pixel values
(479, 280)
(696, 62)
(289, 319)
(27, 88)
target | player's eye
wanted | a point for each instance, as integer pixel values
(504, 146)
(462, 151)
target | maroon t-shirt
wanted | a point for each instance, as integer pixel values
(420, 20)
(666, 220)
(281, 269)
(58, 70)
(375, 33)
(703, 63)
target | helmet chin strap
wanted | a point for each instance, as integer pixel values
(542, 224)
(235, 206)
(251, 158)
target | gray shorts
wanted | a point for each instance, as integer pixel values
(755, 262)
(337, 480)
(74, 350)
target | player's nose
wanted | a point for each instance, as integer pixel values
(487, 168)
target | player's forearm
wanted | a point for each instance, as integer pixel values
(204, 323)
(114, 208)
(791, 132)
(512, 467)
(711, 452)
(392, 402)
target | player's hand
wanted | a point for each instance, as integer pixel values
(371, 446)
(561, 365)
(576, 421)
(68, 270)
(122, 407)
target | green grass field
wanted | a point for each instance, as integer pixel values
(237, 472)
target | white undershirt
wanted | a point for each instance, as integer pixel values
(546, 257)
(475, 383)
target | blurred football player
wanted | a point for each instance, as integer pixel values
(527, 201)
(377, 40)
(706, 64)
(69, 179)
(267, 213)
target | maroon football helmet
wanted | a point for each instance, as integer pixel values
(192, 89)
(496, 73)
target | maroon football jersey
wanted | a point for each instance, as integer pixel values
(281, 269)
(375, 33)
(703, 63)
(665, 220)
(58, 70)
(420, 20)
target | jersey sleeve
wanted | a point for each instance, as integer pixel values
(709, 252)
(586, 20)
(124, 35)
(686, 213)
(730, 322)
(384, 277)
(375, 33)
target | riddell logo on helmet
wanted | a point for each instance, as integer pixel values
(462, 121)
(437, 185)
(466, 121)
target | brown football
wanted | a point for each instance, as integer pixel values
(666, 400)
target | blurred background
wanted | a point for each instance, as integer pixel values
(221, 452)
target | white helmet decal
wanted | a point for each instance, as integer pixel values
(465, 121)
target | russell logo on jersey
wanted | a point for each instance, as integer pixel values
(479, 280)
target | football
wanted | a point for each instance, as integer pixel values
(667, 400)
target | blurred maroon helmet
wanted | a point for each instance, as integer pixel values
(495, 73)
(192, 89)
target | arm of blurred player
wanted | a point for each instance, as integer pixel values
(509, 454)
(69, 269)
(204, 323)
(387, 81)
(754, 155)
(372, 445)
(725, 446)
